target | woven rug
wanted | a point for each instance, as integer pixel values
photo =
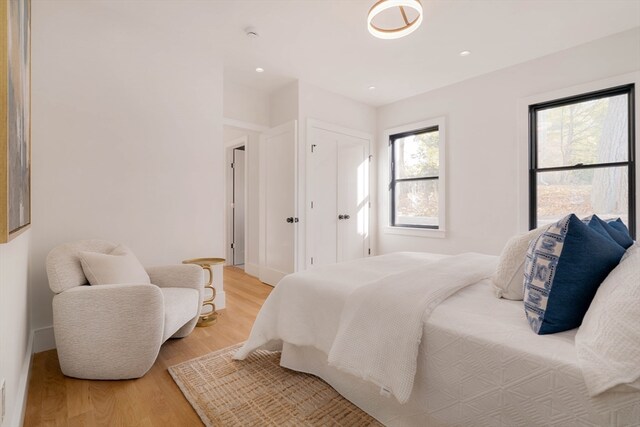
(259, 392)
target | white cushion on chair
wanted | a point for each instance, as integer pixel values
(179, 306)
(63, 265)
(120, 267)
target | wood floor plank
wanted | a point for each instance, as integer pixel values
(155, 399)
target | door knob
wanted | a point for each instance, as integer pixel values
(340, 216)
(290, 220)
(347, 216)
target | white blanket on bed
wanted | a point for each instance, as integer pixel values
(385, 301)
(381, 324)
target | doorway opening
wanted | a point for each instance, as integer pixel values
(238, 208)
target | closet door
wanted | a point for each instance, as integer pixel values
(322, 231)
(338, 195)
(353, 197)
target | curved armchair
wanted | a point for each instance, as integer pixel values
(115, 331)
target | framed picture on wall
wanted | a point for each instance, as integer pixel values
(15, 113)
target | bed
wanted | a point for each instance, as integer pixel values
(478, 363)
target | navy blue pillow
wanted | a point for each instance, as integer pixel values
(618, 225)
(563, 270)
(608, 230)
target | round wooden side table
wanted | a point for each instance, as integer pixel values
(208, 318)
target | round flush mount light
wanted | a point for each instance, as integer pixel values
(465, 53)
(259, 70)
(372, 88)
(395, 32)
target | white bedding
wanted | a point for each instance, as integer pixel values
(479, 364)
(377, 332)
(303, 305)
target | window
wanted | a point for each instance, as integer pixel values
(415, 190)
(582, 157)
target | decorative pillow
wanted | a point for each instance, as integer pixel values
(618, 225)
(608, 342)
(607, 229)
(509, 276)
(116, 268)
(563, 269)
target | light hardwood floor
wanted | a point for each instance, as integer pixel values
(153, 400)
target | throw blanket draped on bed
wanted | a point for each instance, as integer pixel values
(378, 335)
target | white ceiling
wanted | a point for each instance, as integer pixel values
(326, 42)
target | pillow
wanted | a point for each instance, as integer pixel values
(608, 230)
(509, 276)
(618, 225)
(608, 342)
(116, 268)
(563, 269)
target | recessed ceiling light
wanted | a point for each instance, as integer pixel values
(372, 88)
(259, 70)
(465, 53)
(251, 33)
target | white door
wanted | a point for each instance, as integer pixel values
(238, 205)
(338, 194)
(278, 213)
(322, 217)
(353, 197)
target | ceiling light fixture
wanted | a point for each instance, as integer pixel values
(465, 53)
(395, 33)
(372, 88)
(259, 70)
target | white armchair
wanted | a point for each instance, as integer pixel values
(115, 331)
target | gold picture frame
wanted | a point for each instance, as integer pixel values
(15, 112)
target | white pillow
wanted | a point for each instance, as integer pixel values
(116, 268)
(608, 341)
(508, 280)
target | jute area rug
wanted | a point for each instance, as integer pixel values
(259, 392)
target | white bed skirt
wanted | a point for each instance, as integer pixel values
(363, 394)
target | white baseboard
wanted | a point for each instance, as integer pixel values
(251, 269)
(43, 339)
(23, 386)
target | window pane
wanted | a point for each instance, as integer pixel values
(417, 155)
(587, 132)
(603, 191)
(416, 203)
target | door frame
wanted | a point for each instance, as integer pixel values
(319, 124)
(228, 211)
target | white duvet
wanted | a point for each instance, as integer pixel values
(374, 331)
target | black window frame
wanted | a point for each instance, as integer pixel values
(629, 90)
(393, 181)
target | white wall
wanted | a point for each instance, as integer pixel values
(319, 104)
(485, 146)
(127, 138)
(14, 325)
(245, 104)
(283, 105)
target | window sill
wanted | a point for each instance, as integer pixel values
(416, 232)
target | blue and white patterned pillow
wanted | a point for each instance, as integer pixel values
(563, 269)
(615, 229)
